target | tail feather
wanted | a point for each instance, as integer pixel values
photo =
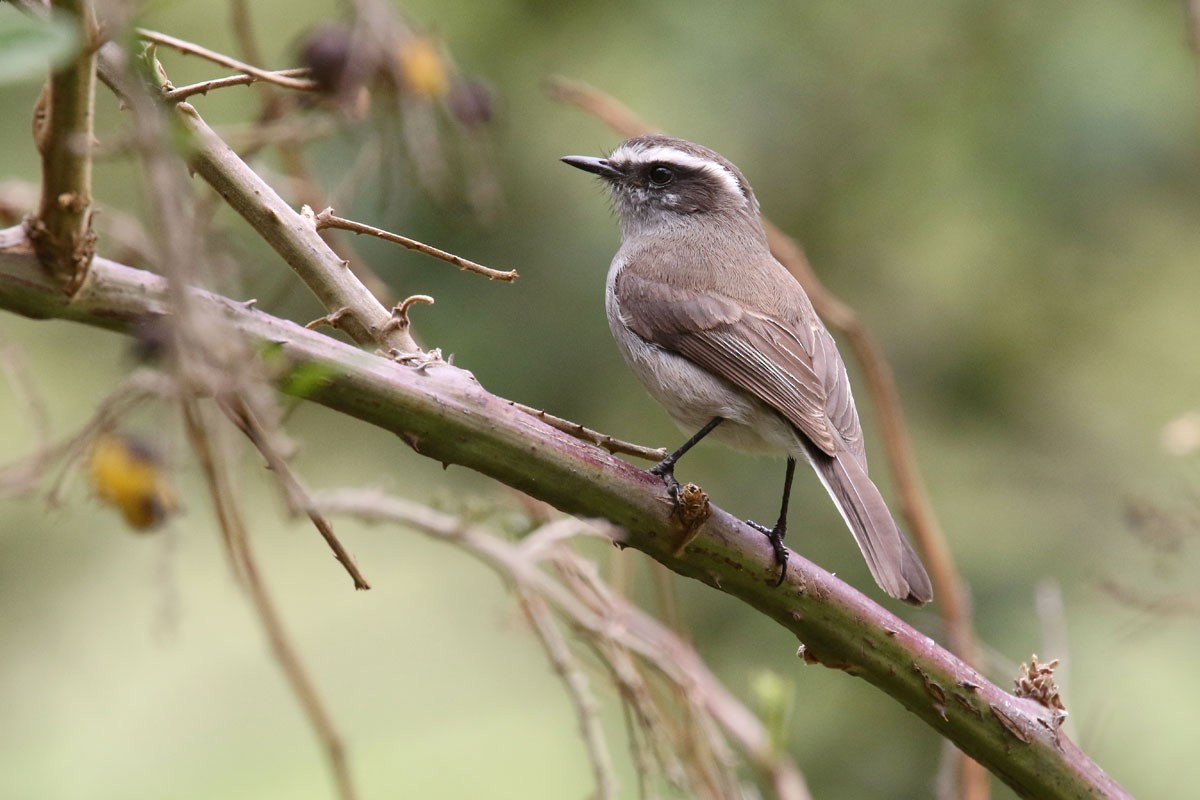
(892, 561)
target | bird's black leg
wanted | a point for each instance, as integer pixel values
(777, 533)
(665, 469)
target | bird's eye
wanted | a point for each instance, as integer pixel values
(660, 176)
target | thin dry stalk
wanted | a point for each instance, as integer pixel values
(578, 689)
(627, 641)
(209, 362)
(294, 491)
(327, 219)
(595, 437)
(192, 49)
(204, 87)
(224, 500)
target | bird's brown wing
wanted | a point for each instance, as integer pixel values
(793, 367)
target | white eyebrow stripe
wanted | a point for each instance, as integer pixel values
(671, 155)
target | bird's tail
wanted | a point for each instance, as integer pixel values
(893, 562)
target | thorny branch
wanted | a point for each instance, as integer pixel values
(443, 413)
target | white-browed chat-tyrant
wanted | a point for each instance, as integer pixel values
(724, 337)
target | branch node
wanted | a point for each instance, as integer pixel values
(332, 319)
(399, 319)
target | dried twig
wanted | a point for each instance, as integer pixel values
(595, 437)
(294, 490)
(327, 219)
(243, 31)
(224, 500)
(204, 87)
(578, 689)
(605, 108)
(192, 49)
(215, 364)
(622, 635)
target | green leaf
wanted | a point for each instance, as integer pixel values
(31, 47)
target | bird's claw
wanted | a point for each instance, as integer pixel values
(775, 535)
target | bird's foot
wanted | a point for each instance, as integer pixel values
(665, 469)
(775, 535)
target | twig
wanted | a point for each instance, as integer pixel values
(62, 230)
(292, 156)
(679, 663)
(578, 689)
(649, 720)
(192, 49)
(217, 361)
(294, 490)
(327, 219)
(292, 235)
(545, 541)
(233, 528)
(643, 761)
(616, 630)
(595, 437)
(204, 87)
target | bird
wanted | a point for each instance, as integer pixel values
(728, 342)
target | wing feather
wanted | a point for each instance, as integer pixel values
(791, 365)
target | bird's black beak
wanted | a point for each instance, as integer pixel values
(597, 166)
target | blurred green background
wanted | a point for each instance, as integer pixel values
(1009, 192)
